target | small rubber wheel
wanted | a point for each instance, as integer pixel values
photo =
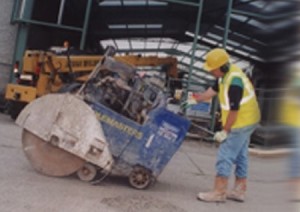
(140, 178)
(87, 173)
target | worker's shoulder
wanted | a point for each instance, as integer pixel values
(235, 67)
(237, 81)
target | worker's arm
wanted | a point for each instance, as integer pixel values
(231, 118)
(199, 97)
(235, 94)
(208, 94)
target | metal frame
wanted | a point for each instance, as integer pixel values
(85, 24)
(25, 21)
(191, 52)
(22, 33)
(226, 31)
(197, 29)
(21, 14)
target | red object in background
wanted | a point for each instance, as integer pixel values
(195, 95)
(16, 67)
(38, 69)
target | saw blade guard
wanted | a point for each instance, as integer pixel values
(67, 122)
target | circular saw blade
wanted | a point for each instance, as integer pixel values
(48, 159)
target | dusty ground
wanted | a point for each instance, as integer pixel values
(191, 170)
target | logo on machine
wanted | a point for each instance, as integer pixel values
(119, 125)
(168, 131)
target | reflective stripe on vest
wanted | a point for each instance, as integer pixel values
(247, 86)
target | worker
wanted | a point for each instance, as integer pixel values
(289, 116)
(240, 116)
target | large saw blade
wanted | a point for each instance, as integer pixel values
(48, 159)
(71, 125)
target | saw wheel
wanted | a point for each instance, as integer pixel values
(87, 173)
(48, 159)
(140, 178)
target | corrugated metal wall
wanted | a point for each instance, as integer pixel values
(8, 34)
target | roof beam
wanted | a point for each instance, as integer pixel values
(188, 2)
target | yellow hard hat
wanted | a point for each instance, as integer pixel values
(215, 59)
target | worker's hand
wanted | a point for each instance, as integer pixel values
(198, 97)
(188, 103)
(191, 100)
(220, 136)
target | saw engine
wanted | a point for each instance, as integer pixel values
(119, 87)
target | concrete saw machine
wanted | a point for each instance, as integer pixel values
(64, 134)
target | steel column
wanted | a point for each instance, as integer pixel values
(215, 103)
(197, 29)
(61, 11)
(85, 24)
(22, 34)
(15, 11)
(227, 23)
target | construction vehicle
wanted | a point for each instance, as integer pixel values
(46, 72)
(116, 124)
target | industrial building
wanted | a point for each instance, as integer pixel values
(115, 87)
(260, 36)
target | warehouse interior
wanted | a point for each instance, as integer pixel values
(261, 36)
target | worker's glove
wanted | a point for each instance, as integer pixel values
(188, 103)
(220, 136)
(191, 100)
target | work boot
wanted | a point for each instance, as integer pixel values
(239, 190)
(219, 192)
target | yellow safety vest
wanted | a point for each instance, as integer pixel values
(289, 112)
(249, 112)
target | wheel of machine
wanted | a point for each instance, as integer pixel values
(140, 178)
(87, 173)
(48, 159)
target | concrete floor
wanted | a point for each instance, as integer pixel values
(191, 170)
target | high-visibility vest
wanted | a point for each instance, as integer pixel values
(248, 113)
(289, 113)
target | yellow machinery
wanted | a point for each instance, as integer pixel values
(45, 72)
